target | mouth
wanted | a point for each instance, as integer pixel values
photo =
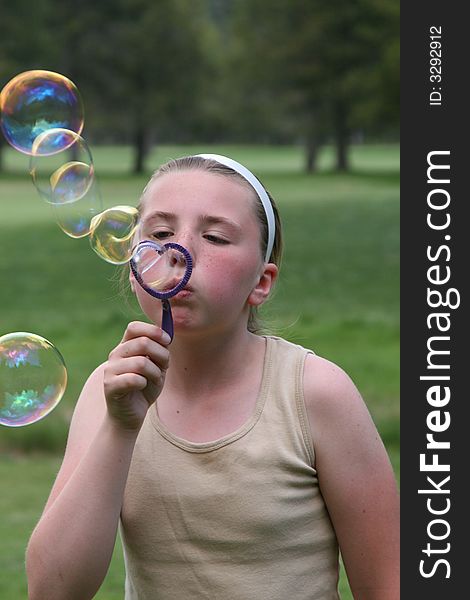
(186, 291)
(182, 295)
(172, 284)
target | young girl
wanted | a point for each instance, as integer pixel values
(235, 463)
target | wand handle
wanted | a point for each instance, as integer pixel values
(167, 319)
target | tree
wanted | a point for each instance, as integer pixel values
(320, 61)
(24, 43)
(142, 63)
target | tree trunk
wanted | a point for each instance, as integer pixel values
(341, 138)
(75, 152)
(141, 148)
(311, 148)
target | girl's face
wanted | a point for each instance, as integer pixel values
(214, 218)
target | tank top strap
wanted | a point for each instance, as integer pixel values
(287, 373)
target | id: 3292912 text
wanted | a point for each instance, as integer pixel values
(435, 65)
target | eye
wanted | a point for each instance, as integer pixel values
(215, 239)
(161, 235)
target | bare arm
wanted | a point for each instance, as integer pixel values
(356, 480)
(71, 547)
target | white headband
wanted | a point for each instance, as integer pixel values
(259, 189)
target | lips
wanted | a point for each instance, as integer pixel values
(184, 293)
(172, 284)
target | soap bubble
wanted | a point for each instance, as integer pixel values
(74, 218)
(112, 233)
(63, 175)
(33, 378)
(35, 101)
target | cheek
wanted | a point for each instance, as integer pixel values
(232, 278)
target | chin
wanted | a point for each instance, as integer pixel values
(183, 320)
(187, 326)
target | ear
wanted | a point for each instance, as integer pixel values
(262, 289)
(132, 280)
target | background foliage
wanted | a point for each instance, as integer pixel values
(286, 71)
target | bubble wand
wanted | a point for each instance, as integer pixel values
(162, 271)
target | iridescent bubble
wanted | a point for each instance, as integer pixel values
(33, 378)
(64, 175)
(35, 101)
(74, 218)
(112, 233)
(70, 182)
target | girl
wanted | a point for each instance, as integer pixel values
(235, 463)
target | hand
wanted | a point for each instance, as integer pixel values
(135, 373)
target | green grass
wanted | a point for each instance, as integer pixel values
(29, 479)
(338, 294)
(375, 160)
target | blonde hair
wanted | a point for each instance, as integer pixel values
(197, 163)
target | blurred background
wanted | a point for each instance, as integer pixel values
(305, 93)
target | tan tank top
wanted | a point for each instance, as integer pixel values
(239, 518)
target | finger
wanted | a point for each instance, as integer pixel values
(137, 329)
(136, 365)
(142, 346)
(124, 384)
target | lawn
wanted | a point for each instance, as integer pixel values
(338, 294)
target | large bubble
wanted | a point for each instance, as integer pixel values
(35, 101)
(33, 378)
(112, 233)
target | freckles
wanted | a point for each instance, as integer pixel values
(227, 279)
(214, 272)
(221, 268)
(232, 282)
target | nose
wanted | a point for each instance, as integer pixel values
(175, 265)
(175, 259)
(175, 262)
(186, 239)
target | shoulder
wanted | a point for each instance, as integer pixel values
(328, 390)
(340, 422)
(327, 387)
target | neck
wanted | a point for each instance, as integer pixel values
(198, 365)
